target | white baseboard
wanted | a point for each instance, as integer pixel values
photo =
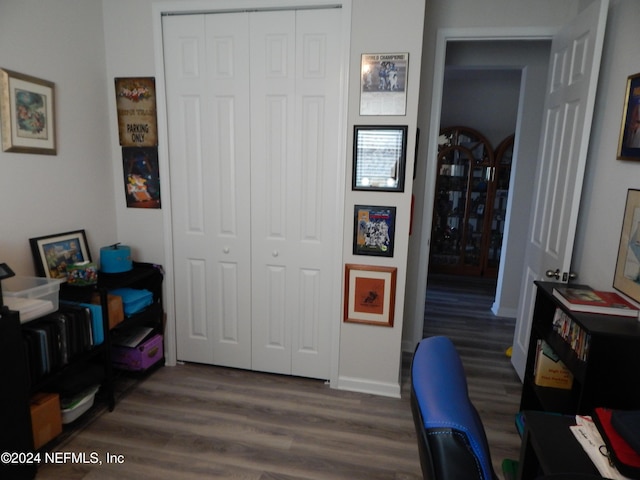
(367, 386)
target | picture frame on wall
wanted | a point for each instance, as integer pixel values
(374, 230)
(627, 275)
(370, 293)
(629, 140)
(53, 253)
(383, 88)
(27, 109)
(379, 157)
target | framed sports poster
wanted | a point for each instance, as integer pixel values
(370, 293)
(384, 83)
(374, 230)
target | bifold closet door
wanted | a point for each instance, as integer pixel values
(253, 105)
(295, 71)
(207, 78)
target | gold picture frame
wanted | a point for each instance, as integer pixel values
(629, 139)
(27, 108)
(369, 294)
(627, 275)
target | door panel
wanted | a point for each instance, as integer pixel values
(571, 89)
(253, 103)
(207, 71)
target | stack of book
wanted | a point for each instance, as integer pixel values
(585, 299)
(572, 333)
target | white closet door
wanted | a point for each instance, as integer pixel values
(294, 165)
(207, 76)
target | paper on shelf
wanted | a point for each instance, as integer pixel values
(589, 437)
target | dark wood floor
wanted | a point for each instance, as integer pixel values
(193, 421)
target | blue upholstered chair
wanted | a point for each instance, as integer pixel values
(451, 438)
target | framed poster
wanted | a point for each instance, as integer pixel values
(370, 294)
(379, 157)
(137, 117)
(52, 253)
(141, 177)
(383, 88)
(374, 230)
(627, 276)
(27, 108)
(629, 141)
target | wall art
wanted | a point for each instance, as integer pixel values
(629, 141)
(374, 230)
(27, 108)
(383, 88)
(370, 293)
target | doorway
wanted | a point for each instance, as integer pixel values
(497, 87)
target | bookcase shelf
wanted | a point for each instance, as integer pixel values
(605, 376)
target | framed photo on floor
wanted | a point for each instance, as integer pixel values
(370, 293)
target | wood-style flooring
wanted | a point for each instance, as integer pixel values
(194, 421)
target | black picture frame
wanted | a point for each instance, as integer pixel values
(52, 253)
(374, 230)
(379, 157)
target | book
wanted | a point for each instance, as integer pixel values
(585, 299)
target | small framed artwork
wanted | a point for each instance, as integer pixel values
(383, 88)
(28, 116)
(370, 293)
(629, 141)
(373, 230)
(627, 276)
(52, 253)
(379, 157)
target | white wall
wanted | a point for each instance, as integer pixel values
(607, 179)
(370, 356)
(61, 42)
(371, 365)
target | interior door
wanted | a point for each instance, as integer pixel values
(571, 88)
(207, 77)
(294, 161)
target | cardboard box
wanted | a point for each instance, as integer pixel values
(46, 419)
(114, 304)
(138, 358)
(549, 369)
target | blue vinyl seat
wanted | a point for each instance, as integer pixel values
(451, 438)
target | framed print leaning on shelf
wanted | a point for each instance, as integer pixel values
(370, 294)
(52, 253)
(28, 116)
(373, 230)
(629, 141)
(627, 276)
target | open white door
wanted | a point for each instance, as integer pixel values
(571, 89)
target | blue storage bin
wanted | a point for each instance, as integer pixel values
(133, 300)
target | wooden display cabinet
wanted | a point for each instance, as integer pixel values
(470, 206)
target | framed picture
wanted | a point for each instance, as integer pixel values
(379, 158)
(370, 294)
(137, 115)
(373, 230)
(627, 276)
(28, 116)
(629, 141)
(383, 88)
(52, 253)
